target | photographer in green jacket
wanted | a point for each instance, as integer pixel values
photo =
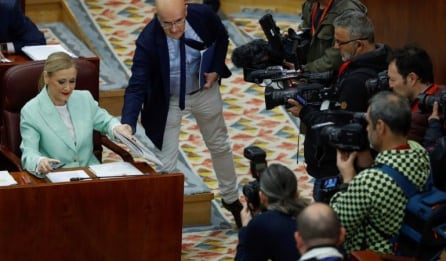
(318, 16)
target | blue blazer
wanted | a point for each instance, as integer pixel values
(44, 133)
(148, 91)
(15, 27)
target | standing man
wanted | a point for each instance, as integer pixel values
(319, 233)
(371, 205)
(411, 74)
(16, 30)
(318, 16)
(354, 38)
(164, 87)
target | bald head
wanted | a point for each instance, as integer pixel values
(169, 5)
(318, 224)
(172, 16)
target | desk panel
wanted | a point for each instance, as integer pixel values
(133, 218)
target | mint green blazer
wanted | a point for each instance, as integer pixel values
(45, 135)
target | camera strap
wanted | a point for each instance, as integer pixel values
(315, 24)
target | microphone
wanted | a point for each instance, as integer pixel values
(91, 178)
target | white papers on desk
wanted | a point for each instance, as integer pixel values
(6, 179)
(115, 169)
(41, 52)
(139, 149)
(65, 176)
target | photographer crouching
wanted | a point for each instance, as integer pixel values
(363, 59)
(269, 234)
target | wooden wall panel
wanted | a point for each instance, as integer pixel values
(282, 6)
(399, 22)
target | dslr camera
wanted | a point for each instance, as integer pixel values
(426, 102)
(257, 165)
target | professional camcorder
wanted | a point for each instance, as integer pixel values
(348, 133)
(380, 83)
(291, 47)
(307, 88)
(426, 102)
(260, 54)
(304, 93)
(258, 164)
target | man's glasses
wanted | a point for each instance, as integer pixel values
(169, 25)
(339, 43)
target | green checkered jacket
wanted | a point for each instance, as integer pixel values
(373, 197)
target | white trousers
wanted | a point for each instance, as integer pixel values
(207, 108)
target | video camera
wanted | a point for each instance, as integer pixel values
(380, 83)
(260, 54)
(348, 133)
(258, 164)
(291, 47)
(308, 88)
(426, 102)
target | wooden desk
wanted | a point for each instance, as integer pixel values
(132, 218)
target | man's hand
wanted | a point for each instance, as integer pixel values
(297, 107)
(345, 162)
(435, 114)
(210, 79)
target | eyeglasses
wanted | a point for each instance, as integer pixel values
(339, 43)
(168, 25)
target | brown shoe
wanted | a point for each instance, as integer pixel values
(235, 208)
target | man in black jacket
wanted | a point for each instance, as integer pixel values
(363, 60)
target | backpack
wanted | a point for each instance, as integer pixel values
(423, 232)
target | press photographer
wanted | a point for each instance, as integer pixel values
(411, 71)
(319, 16)
(371, 205)
(269, 235)
(364, 60)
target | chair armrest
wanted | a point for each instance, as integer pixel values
(11, 158)
(125, 155)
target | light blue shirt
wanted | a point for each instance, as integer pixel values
(193, 58)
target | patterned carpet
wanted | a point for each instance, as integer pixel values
(244, 110)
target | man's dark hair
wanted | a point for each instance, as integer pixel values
(392, 109)
(318, 226)
(414, 59)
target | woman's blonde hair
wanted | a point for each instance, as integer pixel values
(56, 62)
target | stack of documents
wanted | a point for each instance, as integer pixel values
(139, 149)
(65, 176)
(115, 169)
(6, 179)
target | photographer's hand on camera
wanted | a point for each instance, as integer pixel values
(245, 213)
(345, 161)
(435, 114)
(296, 107)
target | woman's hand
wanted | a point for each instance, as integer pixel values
(44, 165)
(123, 129)
(245, 213)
